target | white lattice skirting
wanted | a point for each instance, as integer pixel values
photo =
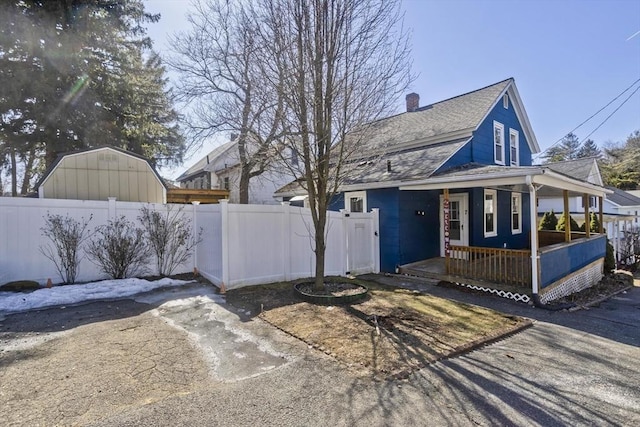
(504, 294)
(581, 279)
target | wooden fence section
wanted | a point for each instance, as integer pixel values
(549, 237)
(506, 266)
(188, 195)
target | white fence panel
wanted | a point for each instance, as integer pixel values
(302, 261)
(21, 221)
(256, 244)
(209, 250)
(240, 245)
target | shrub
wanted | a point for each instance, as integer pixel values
(549, 221)
(563, 219)
(609, 259)
(67, 235)
(169, 236)
(119, 249)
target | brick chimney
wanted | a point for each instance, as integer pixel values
(413, 102)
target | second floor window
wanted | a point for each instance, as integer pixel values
(514, 141)
(498, 143)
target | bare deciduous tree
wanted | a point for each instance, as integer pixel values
(221, 62)
(340, 65)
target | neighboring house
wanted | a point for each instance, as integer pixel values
(100, 173)
(220, 169)
(585, 170)
(456, 188)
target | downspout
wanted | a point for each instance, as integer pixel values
(535, 256)
(533, 218)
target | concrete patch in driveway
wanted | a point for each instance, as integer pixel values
(232, 352)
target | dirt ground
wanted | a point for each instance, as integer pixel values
(391, 334)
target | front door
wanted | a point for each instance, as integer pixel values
(458, 221)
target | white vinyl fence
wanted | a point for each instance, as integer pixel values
(21, 220)
(241, 244)
(254, 244)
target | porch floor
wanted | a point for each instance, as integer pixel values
(435, 268)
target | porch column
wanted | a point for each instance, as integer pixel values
(445, 217)
(587, 228)
(601, 214)
(533, 219)
(616, 240)
(567, 216)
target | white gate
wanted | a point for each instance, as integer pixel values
(361, 240)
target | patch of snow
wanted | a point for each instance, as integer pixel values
(73, 294)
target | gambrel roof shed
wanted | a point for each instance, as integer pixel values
(100, 173)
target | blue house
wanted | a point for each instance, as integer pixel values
(456, 192)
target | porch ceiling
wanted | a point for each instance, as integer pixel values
(547, 182)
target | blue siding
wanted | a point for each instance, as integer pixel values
(337, 202)
(505, 237)
(419, 234)
(555, 264)
(387, 200)
(480, 149)
(463, 156)
(483, 137)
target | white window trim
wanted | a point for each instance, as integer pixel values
(505, 101)
(519, 206)
(516, 134)
(499, 126)
(348, 196)
(494, 193)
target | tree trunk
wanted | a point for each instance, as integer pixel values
(244, 185)
(28, 172)
(321, 245)
(14, 174)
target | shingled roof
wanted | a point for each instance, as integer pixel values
(622, 198)
(435, 121)
(199, 166)
(416, 143)
(585, 169)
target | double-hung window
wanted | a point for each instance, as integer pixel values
(514, 141)
(498, 143)
(516, 213)
(490, 213)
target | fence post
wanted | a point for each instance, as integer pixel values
(286, 247)
(195, 236)
(224, 215)
(345, 240)
(376, 239)
(111, 214)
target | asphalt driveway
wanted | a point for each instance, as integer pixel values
(183, 357)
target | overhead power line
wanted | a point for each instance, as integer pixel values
(595, 114)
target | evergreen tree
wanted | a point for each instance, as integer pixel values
(563, 221)
(73, 76)
(621, 164)
(589, 149)
(567, 149)
(549, 221)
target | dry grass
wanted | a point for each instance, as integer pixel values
(392, 333)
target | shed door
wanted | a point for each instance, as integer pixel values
(458, 221)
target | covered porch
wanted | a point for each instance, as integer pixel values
(552, 265)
